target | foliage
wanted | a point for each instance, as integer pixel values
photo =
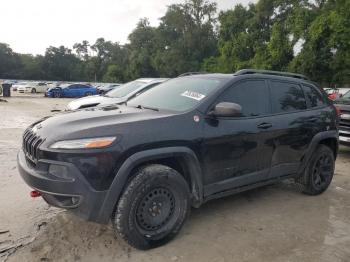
(304, 36)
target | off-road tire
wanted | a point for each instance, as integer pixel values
(133, 219)
(319, 171)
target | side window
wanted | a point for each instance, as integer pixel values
(286, 97)
(313, 96)
(251, 95)
(73, 87)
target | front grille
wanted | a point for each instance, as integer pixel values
(344, 123)
(31, 143)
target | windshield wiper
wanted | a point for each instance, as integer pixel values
(147, 107)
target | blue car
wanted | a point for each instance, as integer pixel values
(71, 90)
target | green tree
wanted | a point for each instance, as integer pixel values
(59, 63)
(9, 62)
(186, 37)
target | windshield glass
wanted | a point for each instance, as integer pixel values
(126, 89)
(179, 94)
(346, 95)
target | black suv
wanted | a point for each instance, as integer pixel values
(189, 140)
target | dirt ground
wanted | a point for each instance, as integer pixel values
(274, 223)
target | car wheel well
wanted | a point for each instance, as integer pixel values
(332, 144)
(176, 163)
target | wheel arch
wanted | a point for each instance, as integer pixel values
(182, 159)
(328, 138)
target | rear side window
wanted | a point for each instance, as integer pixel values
(251, 95)
(313, 96)
(286, 97)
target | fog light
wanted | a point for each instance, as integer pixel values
(60, 172)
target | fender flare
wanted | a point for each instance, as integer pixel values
(136, 159)
(314, 142)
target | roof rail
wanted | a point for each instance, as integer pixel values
(191, 73)
(268, 72)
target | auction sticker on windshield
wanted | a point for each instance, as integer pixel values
(193, 95)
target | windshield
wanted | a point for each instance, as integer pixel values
(179, 94)
(126, 89)
(346, 95)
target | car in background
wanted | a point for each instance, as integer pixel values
(18, 85)
(33, 87)
(335, 93)
(343, 105)
(104, 88)
(117, 96)
(71, 90)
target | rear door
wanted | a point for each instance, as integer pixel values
(291, 127)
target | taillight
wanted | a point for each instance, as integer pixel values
(338, 110)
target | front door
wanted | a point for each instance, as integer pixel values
(237, 151)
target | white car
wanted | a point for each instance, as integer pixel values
(117, 96)
(32, 87)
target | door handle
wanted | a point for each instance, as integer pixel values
(265, 125)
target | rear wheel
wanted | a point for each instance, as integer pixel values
(153, 207)
(319, 172)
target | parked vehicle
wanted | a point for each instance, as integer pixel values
(117, 96)
(33, 87)
(104, 88)
(18, 85)
(184, 142)
(71, 90)
(335, 93)
(343, 105)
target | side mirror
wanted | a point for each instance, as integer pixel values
(226, 109)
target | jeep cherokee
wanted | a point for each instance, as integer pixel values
(184, 142)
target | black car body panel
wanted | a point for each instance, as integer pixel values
(217, 155)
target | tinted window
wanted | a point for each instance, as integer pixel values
(252, 96)
(313, 96)
(286, 97)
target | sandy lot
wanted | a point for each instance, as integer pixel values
(275, 223)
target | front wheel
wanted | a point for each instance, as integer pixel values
(33, 91)
(57, 94)
(88, 94)
(153, 207)
(320, 170)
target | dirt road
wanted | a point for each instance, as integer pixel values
(275, 223)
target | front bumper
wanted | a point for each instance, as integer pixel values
(71, 192)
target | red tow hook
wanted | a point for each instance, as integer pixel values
(35, 193)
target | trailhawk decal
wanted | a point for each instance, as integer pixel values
(193, 95)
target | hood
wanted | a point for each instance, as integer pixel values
(91, 101)
(93, 122)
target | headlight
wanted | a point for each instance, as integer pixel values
(88, 143)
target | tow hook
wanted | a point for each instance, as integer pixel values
(35, 193)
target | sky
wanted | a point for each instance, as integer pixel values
(30, 26)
